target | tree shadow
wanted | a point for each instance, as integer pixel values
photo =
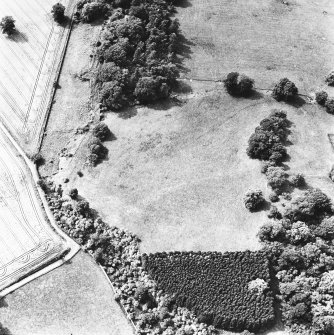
(65, 22)
(127, 113)
(18, 37)
(183, 51)
(297, 102)
(255, 95)
(183, 87)
(182, 3)
(3, 303)
(4, 330)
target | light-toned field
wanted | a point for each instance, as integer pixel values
(28, 63)
(27, 241)
(175, 175)
(73, 299)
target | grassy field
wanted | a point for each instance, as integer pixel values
(176, 175)
(73, 299)
(28, 63)
(71, 107)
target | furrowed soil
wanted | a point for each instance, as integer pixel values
(176, 175)
(75, 298)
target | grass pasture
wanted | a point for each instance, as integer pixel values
(176, 175)
(73, 299)
(28, 63)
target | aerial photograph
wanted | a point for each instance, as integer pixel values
(166, 167)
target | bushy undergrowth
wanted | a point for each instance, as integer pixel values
(137, 50)
(216, 286)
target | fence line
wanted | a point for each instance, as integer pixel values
(55, 83)
(120, 304)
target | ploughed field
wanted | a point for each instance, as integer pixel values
(28, 63)
(27, 241)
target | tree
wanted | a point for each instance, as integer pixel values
(330, 106)
(93, 10)
(330, 79)
(253, 200)
(276, 177)
(101, 131)
(298, 180)
(285, 89)
(73, 193)
(147, 89)
(82, 207)
(58, 12)
(109, 72)
(112, 95)
(7, 25)
(321, 98)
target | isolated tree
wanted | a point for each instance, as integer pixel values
(285, 89)
(7, 25)
(58, 12)
(321, 98)
(253, 200)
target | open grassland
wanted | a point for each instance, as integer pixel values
(176, 175)
(71, 107)
(28, 63)
(73, 299)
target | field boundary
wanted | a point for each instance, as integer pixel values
(72, 247)
(118, 302)
(55, 82)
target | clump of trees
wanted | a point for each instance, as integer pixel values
(285, 90)
(267, 142)
(299, 245)
(97, 151)
(137, 51)
(58, 12)
(238, 85)
(7, 25)
(195, 280)
(254, 200)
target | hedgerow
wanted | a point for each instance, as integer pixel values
(139, 41)
(216, 286)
